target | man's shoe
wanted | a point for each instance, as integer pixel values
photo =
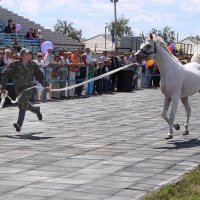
(17, 127)
(38, 113)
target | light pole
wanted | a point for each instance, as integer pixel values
(105, 36)
(115, 14)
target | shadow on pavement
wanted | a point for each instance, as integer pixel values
(29, 136)
(181, 144)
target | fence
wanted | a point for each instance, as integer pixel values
(58, 77)
(6, 41)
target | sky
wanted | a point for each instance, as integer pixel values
(91, 16)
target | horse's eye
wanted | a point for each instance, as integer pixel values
(148, 46)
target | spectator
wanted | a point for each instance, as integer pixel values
(99, 82)
(40, 36)
(49, 62)
(40, 92)
(64, 73)
(104, 56)
(132, 58)
(126, 57)
(85, 69)
(7, 57)
(144, 71)
(8, 27)
(106, 80)
(16, 46)
(15, 57)
(89, 56)
(30, 55)
(84, 59)
(115, 63)
(156, 76)
(35, 33)
(7, 60)
(13, 28)
(74, 70)
(55, 77)
(91, 74)
(123, 60)
(1, 58)
(81, 74)
(30, 34)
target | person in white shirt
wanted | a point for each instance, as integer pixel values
(89, 60)
(40, 93)
(7, 57)
(104, 56)
(40, 62)
(89, 56)
(64, 73)
(49, 62)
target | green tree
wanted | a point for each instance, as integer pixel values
(166, 33)
(122, 27)
(67, 29)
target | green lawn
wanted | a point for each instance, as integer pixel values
(188, 188)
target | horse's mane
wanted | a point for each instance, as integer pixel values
(161, 42)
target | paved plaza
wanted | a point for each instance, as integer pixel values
(108, 147)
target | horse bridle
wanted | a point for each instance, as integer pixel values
(149, 53)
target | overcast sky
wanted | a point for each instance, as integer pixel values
(183, 16)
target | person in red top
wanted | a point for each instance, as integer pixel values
(75, 62)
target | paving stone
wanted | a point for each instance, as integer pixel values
(109, 147)
(41, 192)
(20, 197)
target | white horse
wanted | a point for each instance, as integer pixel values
(196, 58)
(177, 81)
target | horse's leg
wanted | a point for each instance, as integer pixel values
(186, 104)
(167, 102)
(172, 117)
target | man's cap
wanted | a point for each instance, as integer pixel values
(24, 50)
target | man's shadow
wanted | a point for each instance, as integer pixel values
(181, 144)
(29, 136)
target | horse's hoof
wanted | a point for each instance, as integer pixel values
(177, 126)
(168, 137)
(185, 132)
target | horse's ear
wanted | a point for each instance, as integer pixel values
(143, 38)
(151, 36)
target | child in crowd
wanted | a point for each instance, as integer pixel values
(55, 76)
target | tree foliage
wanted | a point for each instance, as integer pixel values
(68, 29)
(122, 27)
(166, 33)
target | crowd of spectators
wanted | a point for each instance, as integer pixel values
(68, 68)
(35, 34)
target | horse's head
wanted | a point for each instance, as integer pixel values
(147, 49)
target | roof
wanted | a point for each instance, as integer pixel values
(192, 39)
(109, 37)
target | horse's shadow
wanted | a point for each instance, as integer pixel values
(181, 144)
(29, 136)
